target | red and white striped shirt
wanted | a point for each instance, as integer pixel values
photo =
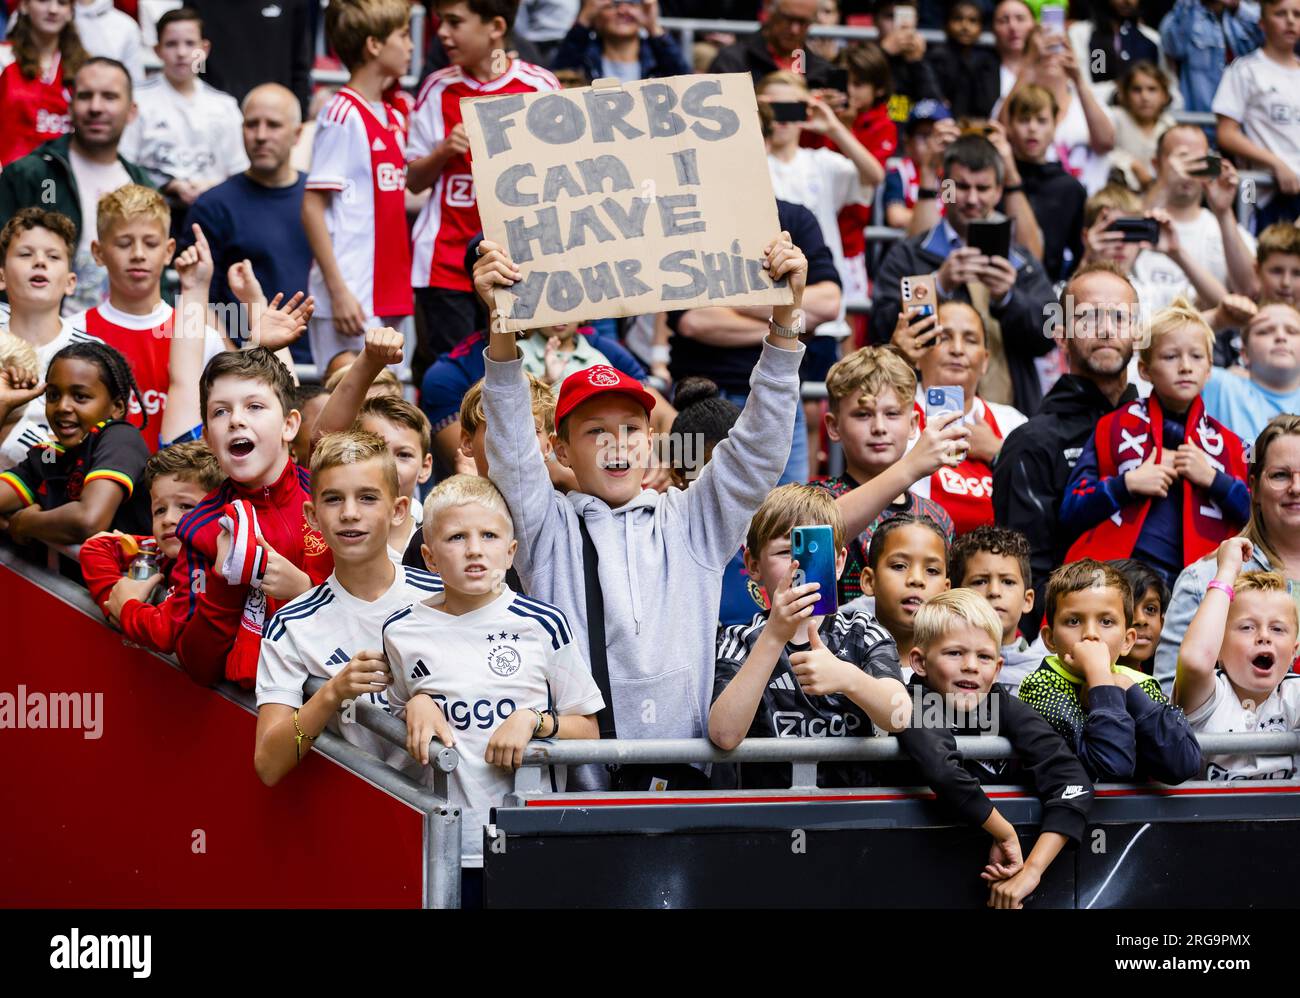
(32, 110)
(359, 154)
(450, 218)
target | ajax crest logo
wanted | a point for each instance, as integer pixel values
(602, 376)
(504, 661)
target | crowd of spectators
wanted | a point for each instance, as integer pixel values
(249, 331)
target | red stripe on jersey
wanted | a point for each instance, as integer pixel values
(451, 219)
(392, 295)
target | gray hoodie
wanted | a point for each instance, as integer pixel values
(661, 556)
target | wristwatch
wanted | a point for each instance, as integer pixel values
(788, 332)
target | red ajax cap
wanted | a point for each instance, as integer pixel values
(592, 381)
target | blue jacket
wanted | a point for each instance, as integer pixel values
(581, 49)
(1194, 36)
(1089, 499)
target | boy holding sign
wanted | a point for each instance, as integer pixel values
(638, 572)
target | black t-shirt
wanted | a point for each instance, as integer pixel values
(114, 451)
(787, 712)
(730, 367)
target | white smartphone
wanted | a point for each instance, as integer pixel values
(904, 18)
(1053, 21)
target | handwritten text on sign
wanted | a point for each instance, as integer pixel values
(628, 199)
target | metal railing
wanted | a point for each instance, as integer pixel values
(805, 753)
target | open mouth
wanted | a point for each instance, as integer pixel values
(1263, 662)
(353, 535)
(39, 281)
(966, 685)
(240, 447)
(911, 603)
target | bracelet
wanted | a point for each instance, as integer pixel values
(1014, 189)
(555, 721)
(297, 739)
(1223, 587)
(660, 354)
(537, 728)
(926, 193)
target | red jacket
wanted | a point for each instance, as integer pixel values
(222, 635)
(103, 563)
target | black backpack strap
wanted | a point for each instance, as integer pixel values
(596, 630)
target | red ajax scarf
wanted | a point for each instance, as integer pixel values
(1126, 438)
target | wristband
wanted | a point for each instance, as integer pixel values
(926, 193)
(1223, 587)
(660, 354)
(297, 738)
(1014, 189)
(537, 728)
(555, 720)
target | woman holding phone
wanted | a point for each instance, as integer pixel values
(951, 353)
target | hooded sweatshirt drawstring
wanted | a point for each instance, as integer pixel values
(632, 579)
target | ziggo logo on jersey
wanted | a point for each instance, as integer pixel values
(154, 402)
(959, 485)
(485, 712)
(389, 177)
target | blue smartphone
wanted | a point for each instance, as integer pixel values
(814, 549)
(944, 398)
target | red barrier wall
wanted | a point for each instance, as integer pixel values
(111, 822)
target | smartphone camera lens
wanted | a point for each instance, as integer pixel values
(812, 547)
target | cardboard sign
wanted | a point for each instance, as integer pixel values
(621, 199)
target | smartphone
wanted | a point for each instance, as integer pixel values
(1053, 22)
(814, 549)
(992, 237)
(838, 79)
(1213, 166)
(1136, 229)
(904, 18)
(793, 110)
(919, 294)
(943, 398)
(977, 129)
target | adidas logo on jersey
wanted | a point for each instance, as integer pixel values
(378, 145)
(340, 657)
(782, 682)
(421, 670)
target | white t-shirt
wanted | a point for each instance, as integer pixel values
(1201, 239)
(319, 632)
(480, 667)
(1224, 712)
(823, 181)
(94, 180)
(1265, 98)
(105, 30)
(33, 428)
(178, 137)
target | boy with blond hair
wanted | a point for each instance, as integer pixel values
(479, 666)
(954, 658)
(332, 631)
(788, 674)
(872, 415)
(134, 245)
(354, 208)
(1234, 666)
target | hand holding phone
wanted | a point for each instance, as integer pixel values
(814, 549)
(1136, 229)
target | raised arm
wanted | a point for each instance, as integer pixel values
(382, 347)
(189, 332)
(1199, 652)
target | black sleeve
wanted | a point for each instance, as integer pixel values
(572, 51)
(1023, 317)
(1108, 742)
(1060, 780)
(1026, 498)
(1167, 750)
(934, 751)
(881, 661)
(886, 301)
(120, 456)
(730, 60)
(807, 235)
